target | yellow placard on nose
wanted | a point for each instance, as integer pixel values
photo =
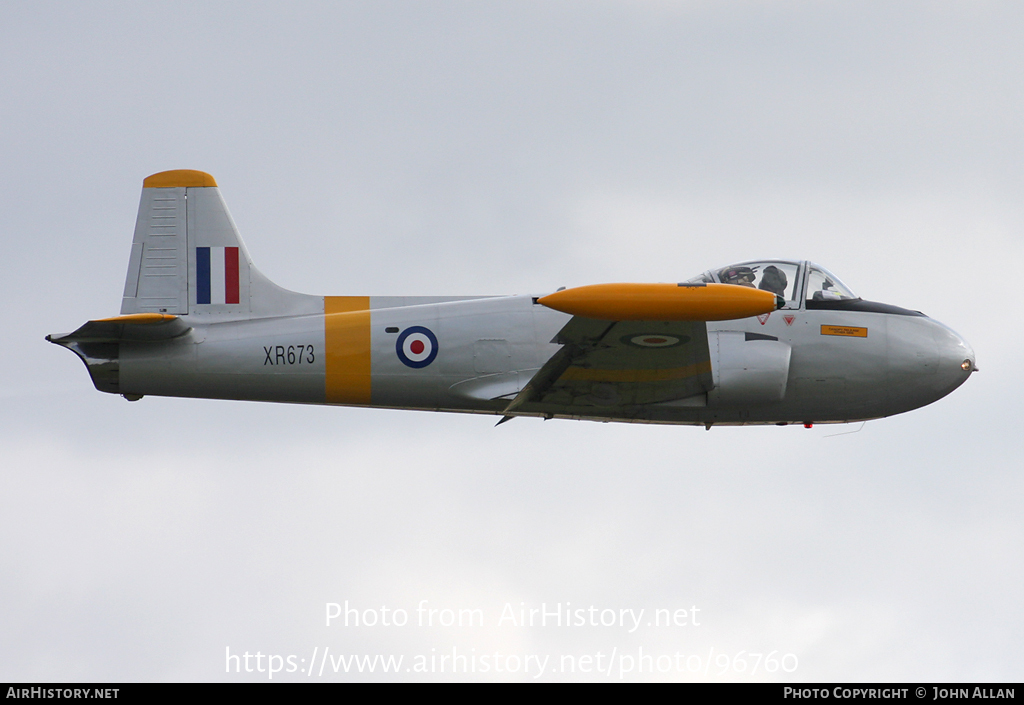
(848, 331)
(347, 339)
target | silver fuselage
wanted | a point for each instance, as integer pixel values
(489, 348)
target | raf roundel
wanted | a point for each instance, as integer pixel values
(655, 340)
(416, 347)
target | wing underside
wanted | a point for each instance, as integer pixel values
(619, 364)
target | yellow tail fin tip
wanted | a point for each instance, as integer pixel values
(179, 178)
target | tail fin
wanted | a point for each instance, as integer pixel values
(188, 259)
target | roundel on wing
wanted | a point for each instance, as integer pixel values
(655, 340)
(416, 347)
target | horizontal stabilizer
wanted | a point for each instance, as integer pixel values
(135, 326)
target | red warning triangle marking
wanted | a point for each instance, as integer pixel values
(789, 320)
(763, 318)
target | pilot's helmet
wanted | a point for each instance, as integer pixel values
(774, 280)
(744, 276)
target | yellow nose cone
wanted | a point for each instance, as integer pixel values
(663, 302)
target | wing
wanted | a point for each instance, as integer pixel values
(633, 344)
(619, 364)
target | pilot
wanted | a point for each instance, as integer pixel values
(774, 280)
(741, 276)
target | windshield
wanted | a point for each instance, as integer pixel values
(822, 285)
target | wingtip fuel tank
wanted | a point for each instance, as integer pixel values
(663, 302)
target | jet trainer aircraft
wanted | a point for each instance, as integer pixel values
(767, 342)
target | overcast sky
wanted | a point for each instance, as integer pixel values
(483, 148)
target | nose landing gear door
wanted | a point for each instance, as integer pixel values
(747, 369)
